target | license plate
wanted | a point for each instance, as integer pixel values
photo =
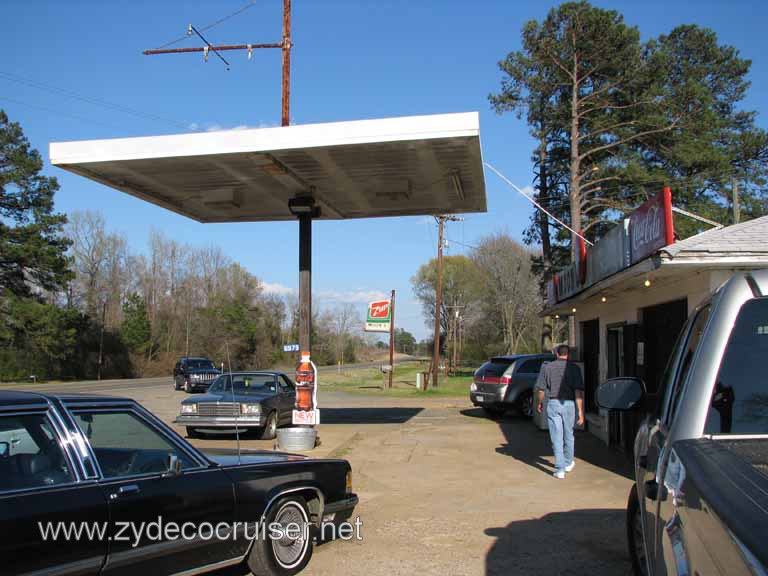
(479, 398)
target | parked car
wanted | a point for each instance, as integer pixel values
(193, 374)
(507, 381)
(106, 462)
(261, 401)
(700, 500)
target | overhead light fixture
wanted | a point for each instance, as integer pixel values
(457, 186)
(647, 283)
(557, 316)
(603, 299)
(301, 205)
(573, 310)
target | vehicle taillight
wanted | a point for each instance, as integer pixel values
(505, 380)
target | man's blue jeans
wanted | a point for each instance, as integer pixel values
(561, 415)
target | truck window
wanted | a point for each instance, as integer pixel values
(675, 387)
(739, 403)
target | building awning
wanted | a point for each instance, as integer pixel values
(418, 165)
(737, 247)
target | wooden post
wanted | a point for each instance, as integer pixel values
(391, 338)
(438, 303)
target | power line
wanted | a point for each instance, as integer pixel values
(666, 181)
(57, 112)
(532, 201)
(46, 87)
(449, 240)
(211, 25)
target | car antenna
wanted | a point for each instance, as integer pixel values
(234, 404)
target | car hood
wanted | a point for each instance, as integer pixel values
(228, 456)
(209, 397)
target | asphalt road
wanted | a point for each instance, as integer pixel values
(128, 385)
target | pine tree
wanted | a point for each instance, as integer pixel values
(32, 245)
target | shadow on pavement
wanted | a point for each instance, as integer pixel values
(392, 415)
(528, 444)
(577, 542)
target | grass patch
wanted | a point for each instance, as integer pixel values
(371, 381)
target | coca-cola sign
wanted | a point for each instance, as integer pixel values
(650, 226)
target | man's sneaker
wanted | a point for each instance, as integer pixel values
(559, 474)
(570, 466)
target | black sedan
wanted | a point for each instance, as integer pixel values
(259, 401)
(98, 485)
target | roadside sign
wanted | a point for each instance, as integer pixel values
(290, 347)
(379, 316)
(306, 417)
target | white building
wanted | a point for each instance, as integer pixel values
(633, 291)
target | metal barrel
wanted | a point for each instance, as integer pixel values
(296, 439)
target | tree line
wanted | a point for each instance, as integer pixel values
(490, 301)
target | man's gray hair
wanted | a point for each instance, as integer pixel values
(562, 350)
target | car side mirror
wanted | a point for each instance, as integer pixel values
(174, 466)
(4, 449)
(621, 393)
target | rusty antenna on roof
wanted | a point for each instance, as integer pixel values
(285, 46)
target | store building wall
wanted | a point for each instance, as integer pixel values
(625, 308)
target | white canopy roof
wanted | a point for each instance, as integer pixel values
(390, 167)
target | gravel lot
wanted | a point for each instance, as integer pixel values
(445, 490)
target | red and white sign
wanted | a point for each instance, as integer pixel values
(650, 226)
(306, 417)
(379, 316)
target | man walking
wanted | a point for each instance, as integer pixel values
(561, 381)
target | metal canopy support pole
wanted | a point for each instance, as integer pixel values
(305, 282)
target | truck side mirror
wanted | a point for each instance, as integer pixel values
(622, 393)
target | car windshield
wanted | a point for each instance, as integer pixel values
(200, 364)
(246, 384)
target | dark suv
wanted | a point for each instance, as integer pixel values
(507, 381)
(192, 374)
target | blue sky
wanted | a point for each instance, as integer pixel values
(352, 59)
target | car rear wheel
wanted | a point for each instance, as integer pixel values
(272, 556)
(525, 404)
(269, 431)
(635, 535)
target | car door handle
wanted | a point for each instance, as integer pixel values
(127, 490)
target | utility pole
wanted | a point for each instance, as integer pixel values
(454, 330)
(391, 338)
(438, 297)
(101, 338)
(736, 207)
(285, 46)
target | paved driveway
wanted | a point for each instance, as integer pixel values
(446, 491)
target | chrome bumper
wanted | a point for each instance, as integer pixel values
(220, 421)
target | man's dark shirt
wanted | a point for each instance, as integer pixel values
(559, 379)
